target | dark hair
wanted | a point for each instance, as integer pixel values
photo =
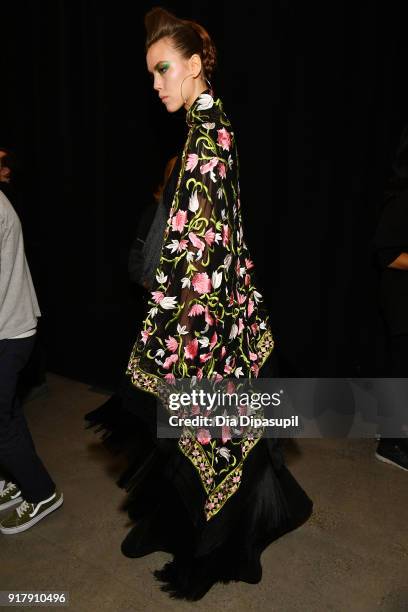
(8, 159)
(188, 37)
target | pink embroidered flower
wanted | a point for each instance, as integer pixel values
(182, 245)
(201, 282)
(204, 437)
(248, 263)
(195, 410)
(242, 410)
(222, 170)
(192, 161)
(254, 328)
(209, 481)
(199, 373)
(145, 334)
(213, 340)
(225, 234)
(236, 478)
(223, 351)
(210, 505)
(227, 369)
(169, 361)
(170, 378)
(250, 307)
(209, 236)
(196, 241)
(226, 434)
(247, 280)
(220, 495)
(179, 220)
(171, 344)
(255, 369)
(157, 296)
(208, 317)
(205, 357)
(240, 326)
(230, 387)
(217, 377)
(241, 298)
(191, 349)
(253, 356)
(195, 310)
(224, 139)
(209, 165)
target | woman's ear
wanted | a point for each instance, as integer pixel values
(195, 65)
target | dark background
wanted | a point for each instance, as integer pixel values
(317, 99)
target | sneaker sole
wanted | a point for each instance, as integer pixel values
(13, 530)
(10, 503)
(385, 460)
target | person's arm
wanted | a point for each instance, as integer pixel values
(400, 262)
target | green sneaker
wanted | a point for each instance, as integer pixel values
(26, 514)
(10, 496)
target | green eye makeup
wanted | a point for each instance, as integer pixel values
(162, 67)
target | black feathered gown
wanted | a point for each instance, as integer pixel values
(165, 500)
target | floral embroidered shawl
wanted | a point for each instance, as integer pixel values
(205, 318)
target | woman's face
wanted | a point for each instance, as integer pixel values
(169, 69)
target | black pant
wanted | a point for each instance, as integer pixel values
(393, 398)
(18, 456)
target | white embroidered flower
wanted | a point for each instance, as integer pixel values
(193, 204)
(262, 325)
(213, 177)
(199, 254)
(230, 161)
(239, 372)
(185, 282)
(181, 329)
(227, 261)
(217, 238)
(205, 102)
(204, 341)
(257, 297)
(223, 214)
(242, 271)
(234, 331)
(173, 246)
(159, 353)
(209, 126)
(190, 256)
(160, 363)
(153, 312)
(216, 279)
(169, 302)
(193, 381)
(224, 452)
(219, 193)
(161, 278)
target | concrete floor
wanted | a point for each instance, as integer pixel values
(351, 556)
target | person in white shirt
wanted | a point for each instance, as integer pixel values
(30, 484)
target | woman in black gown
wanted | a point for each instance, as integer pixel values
(204, 319)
